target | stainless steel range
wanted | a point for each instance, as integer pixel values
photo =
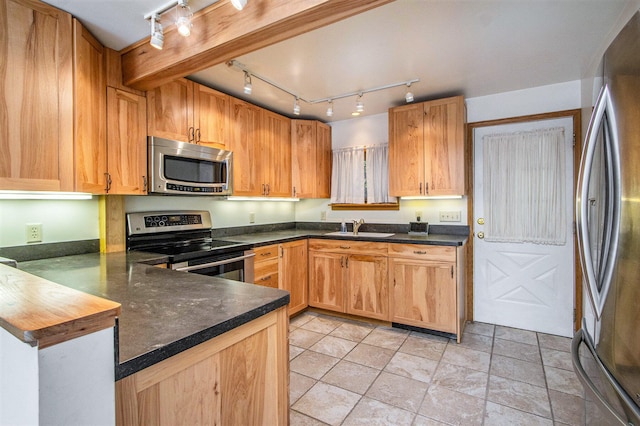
(185, 237)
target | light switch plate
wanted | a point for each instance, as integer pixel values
(450, 216)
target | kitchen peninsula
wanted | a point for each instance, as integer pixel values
(174, 328)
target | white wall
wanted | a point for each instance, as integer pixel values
(62, 220)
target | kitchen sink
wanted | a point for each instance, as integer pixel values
(360, 234)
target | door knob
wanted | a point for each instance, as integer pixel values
(481, 221)
(481, 235)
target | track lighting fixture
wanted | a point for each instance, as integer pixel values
(296, 107)
(183, 18)
(248, 87)
(239, 4)
(330, 109)
(157, 36)
(359, 104)
(409, 96)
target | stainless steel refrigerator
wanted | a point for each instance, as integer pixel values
(606, 350)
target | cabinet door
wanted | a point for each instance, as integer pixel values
(424, 294)
(170, 111)
(36, 118)
(368, 290)
(326, 281)
(276, 152)
(444, 146)
(406, 150)
(90, 124)
(245, 143)
(211, 117)
(293, 274)
(303, 158)
(126, 142)
(323, 161)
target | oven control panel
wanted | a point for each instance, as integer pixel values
(165, 221)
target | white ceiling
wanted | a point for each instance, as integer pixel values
(469, 47)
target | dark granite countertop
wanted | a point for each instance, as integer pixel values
(164, 312)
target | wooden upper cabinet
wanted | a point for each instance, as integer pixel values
(36, 120)
(170, 111)
(126, 142)
(310, 159)
(90, 127)
(426, 148)
(211, 116)
(276, 154)
(245, 143)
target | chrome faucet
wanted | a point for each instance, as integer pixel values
(356, 226)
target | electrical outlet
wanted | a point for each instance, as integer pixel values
(323, 215)
(252, 217)
(450, 216)
(34, 232)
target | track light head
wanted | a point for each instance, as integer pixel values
(330, 109)
(409, 96)
(296, 107)
(183, 18)
(239, 4)
(157, 35)
(248, 87)
(359, 104)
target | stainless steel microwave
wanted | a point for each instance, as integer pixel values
(188, 169)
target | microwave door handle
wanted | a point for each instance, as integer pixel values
(212, 264)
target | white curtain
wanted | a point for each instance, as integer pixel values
(524, 181)
(377, 175)
(347, 176)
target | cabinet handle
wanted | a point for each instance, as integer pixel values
(198, 137)
(264, 189)
(451, 271)
(281, 251)
(420, 188)
(341, 261)
(346, 261)
(268, 189)
(108, 178)
(191, 134)
(294, 191)
(345, 247)
(426, 188)
(267, 278)
(266, 254)
(144, 184)
(419, 252)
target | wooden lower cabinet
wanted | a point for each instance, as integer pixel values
(326, 280)
(367, 286)
(238, 378)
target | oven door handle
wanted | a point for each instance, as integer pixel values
(212, 264)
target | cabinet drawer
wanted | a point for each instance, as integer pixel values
(265, 253)
(266, 273)
(423, 252)
(348, 247)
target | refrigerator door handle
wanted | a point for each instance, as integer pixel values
(602, 116)
(579, 338)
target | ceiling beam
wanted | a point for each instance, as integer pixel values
(221, 33)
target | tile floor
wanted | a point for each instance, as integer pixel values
(353, 373)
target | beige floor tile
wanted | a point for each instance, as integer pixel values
(327, 403)
(386, 338)
(461, 379)
(411, 366)
(304, 338)
(517, 350)
(423, 346)
(303, 318)
(480, 328)
(464, 357)
(426, 421)
(398, 391)
(558, 359)
(452, 407)
(499, 415)
(371, 356)
(351, 331)
(313, 364)
(333, 346)
(558, 343)
(294, 351)
(299, 385)
(568, 409)
(519, 395)
(517, 335)
(476, 342)
(299, 419)
(516, 369)
(322, 325)
(351, 376)
(563, 381)
(369, 412)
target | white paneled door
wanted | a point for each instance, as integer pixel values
(524, 285)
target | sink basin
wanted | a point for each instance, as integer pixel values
(360, 234)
